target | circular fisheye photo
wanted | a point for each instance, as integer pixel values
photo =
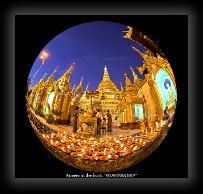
(101, 96)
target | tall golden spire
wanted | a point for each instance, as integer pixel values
(121, 87)
(134, 74)
(106, 74)
(79, 88)
(68, 72)
(64, 81)
(42, 79)
(87, 89)
(127, 80)
(144, 55)
(51, 77)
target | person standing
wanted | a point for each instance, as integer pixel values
(104, 124)
(109, 121)
(75, 120)
(99, 120)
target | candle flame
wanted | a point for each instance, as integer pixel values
(109, 156)
(135, 148)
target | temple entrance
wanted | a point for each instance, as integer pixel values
(138, 112)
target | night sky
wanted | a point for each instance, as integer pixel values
(90, 46)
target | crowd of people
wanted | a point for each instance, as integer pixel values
(104, 121)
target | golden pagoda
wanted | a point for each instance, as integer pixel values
(107, 98)
(106, 86)
(139, 100)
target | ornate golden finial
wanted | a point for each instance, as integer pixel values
(68, 72)
(65, 79)
(43, 78)
(140, 69)
(106, 74)
(127, 80)
(51, 77)
(87, 89)
(121, 87)
(79, 89)
(55, 70)
(134, 74)
(142, 54)
(128, 32)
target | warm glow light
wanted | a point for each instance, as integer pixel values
(51, 98)
(44, 55)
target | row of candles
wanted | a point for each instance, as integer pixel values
(96, 149)
(100, 149)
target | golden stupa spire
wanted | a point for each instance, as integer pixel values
(106, 74)
(51, 77)
(68, 72)
(121, 87)
(79, 88)
(87, 89)
(43, 78)
(127, 80)
(63, 83)
(142, 54)
(134, 74)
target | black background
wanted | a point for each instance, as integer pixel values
(32, 33)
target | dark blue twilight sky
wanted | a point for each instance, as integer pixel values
(90, 46)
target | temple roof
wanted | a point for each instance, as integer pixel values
(106, 85)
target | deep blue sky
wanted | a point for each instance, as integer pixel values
(90, 46)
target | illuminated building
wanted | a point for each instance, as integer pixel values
(141, 99)
(140, 104)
